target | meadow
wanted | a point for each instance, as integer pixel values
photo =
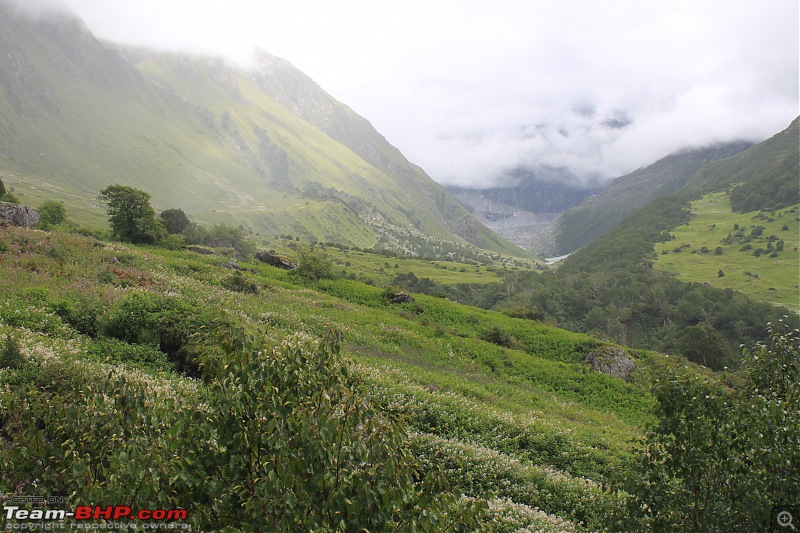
(505, 405)
(756, 252)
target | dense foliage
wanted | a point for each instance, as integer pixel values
(112, 331)
(52, 213)
(175, 220)
(132, 217)
(610, 288)
(718, 459)
(291, 442)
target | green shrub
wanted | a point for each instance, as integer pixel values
(166, 323)
(141, 356)
(95, 438)
(11, 353)
(10, 198)
(83, 315)
(52, 214)
(303, 448)
(500, 337)
(313, 267)
(718, 459)
(239, 283)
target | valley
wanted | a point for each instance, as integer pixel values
(240, 301)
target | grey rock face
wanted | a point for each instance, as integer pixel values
(18, 215)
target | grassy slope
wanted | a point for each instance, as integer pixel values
(603, 212)
(199, 135)
(532, 423)
(764, 278)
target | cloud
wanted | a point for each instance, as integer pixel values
(470, 90)
(39, 8)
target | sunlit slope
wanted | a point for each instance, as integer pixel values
(77, 115)
(718, 241)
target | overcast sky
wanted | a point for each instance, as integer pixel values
(470, 89)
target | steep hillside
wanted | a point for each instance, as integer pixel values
(266, 148)
(627, 194)
(252, 397)
(763, 177)
(611, 286)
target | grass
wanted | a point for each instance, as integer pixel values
(507, 403)
(769, 277)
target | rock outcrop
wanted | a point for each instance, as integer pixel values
(275, 260)
(18, 215)
(611, 360)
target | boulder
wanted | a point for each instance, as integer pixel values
(275, 260)
(204, 250)
(18, 215)
(401, 297)
(611, 360)
(396, 296)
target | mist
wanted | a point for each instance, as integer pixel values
(471, 90)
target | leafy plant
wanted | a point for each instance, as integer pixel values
(239, 283)
(719, 459)
(132, 217)
(163, 322)
(174, 220)
(52, 214)
(704, 346)
(313, 266)
(11, 353)
(306, 448)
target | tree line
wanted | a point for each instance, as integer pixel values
(610, 289)
(133, 219)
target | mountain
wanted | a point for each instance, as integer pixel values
(264, 148)
(526, 211)
(627, 194)
(612, 285)
(763, 177)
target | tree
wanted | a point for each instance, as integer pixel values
(174, 220)
(132, 217)
(52, 214)
(3, 188)
(704, 346)
(313, 266)
(718, 459)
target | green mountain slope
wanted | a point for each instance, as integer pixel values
(766, 176)
(601, 213)
(755, 253)
(266, 148)
(611, 286)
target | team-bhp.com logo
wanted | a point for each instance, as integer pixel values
(86, 517)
